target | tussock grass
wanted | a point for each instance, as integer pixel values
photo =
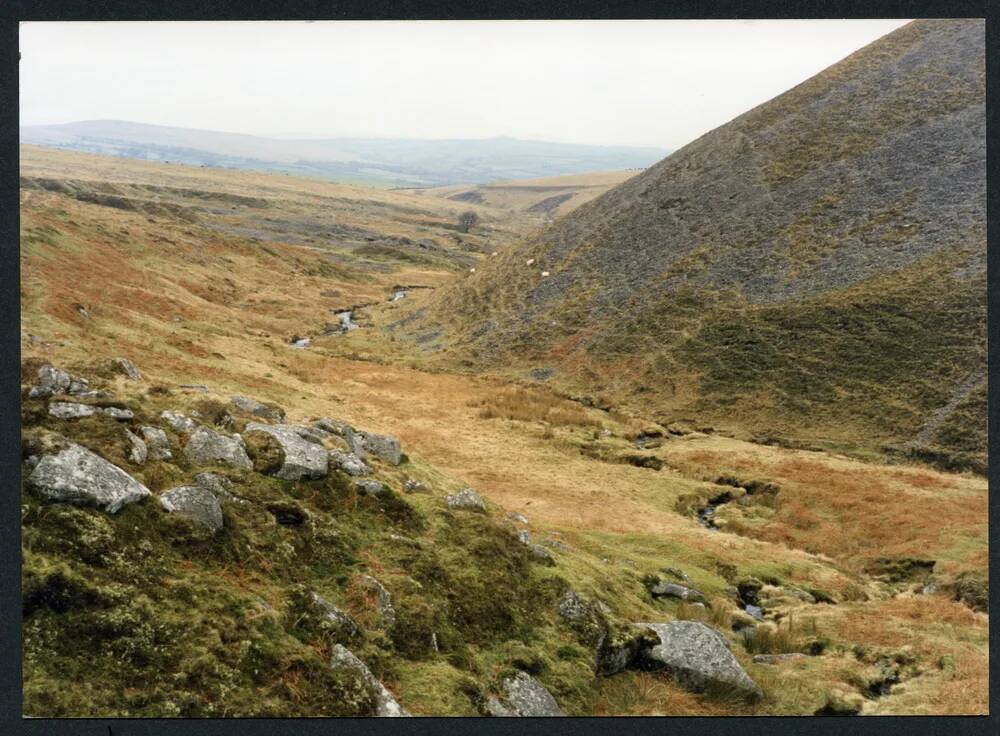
(532, 405)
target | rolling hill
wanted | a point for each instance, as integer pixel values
(813, 270)
(385, 162)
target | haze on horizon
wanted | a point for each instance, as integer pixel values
(656, 83)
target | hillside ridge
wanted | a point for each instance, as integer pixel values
(743, 263)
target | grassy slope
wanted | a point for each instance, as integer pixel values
(814, 269)
(133, 615)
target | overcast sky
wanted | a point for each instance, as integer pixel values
(657, 83)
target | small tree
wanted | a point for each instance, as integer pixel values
(467, 220)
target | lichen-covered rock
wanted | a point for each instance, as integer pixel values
(348, 462)
(664, 589)
(69, 410)
(52, 380)
(523, 696)
(333, 426)
(311, 434)
(138, 451)
(302, 459)
(385, 705)
(76, 475)
(115, 412)
(197, 503)
(383, 599)
(382, 446)
(157, 443)
(340, 622)
(246, 405)
(371, 487)
(206, 447)
(178, 422)
(219, 486)
(126, 367)
(517, 518)
(72, 410)
(466, 499)
(698, 657)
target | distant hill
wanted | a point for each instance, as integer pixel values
(387, 162)
(549, 197)
(814, 268)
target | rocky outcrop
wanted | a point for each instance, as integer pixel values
(340, 621)
(341, 658)
(664, 589)
(53, 381)
(698, 657)
(178, 422)
(302, 459)
(383, 599)
(467, 500)
(157, 443)
(522, 695)
(206, 447)
(72, 410)
(246, 405)
(311, 434)
(127, 368)
(382, 446)
(348, 462)
(219, 486)
(138, 451)
(333, 426)
(78, 476)
(197, 503)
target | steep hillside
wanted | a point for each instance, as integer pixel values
(547, 198)
(815, 269)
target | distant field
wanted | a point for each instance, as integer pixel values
(551, 196)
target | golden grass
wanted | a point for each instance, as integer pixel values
(849, 510)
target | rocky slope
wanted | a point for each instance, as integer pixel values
(154, 597)
(814, 268)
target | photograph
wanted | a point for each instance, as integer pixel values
(500, 368)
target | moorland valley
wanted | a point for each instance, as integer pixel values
(702, 438)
